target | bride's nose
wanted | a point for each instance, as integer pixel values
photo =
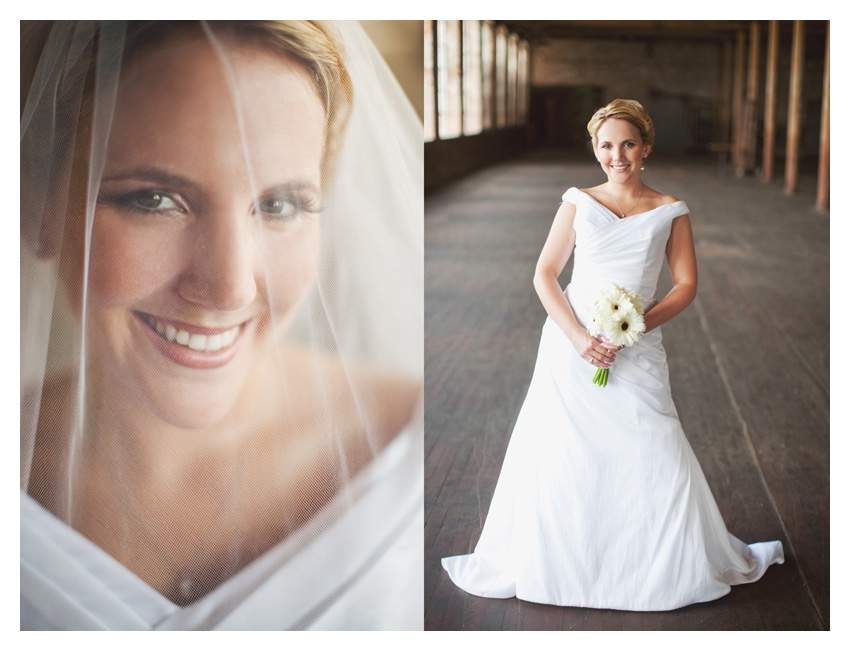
(221, 265)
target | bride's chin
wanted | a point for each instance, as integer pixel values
(620, 178)
(194, 412)
(227, 400)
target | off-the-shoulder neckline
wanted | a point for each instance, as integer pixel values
(664, 205)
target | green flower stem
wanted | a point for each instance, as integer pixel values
(601, 377)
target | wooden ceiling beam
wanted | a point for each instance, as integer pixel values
(538, 32)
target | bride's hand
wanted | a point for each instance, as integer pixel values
(614, 348)
(596, 351)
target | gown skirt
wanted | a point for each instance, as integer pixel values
(601, 502)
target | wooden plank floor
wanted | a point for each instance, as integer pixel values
(749, 365)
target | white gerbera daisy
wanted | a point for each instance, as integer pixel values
(626, 328)
(614, 298)
(618, 315)
(635, 300)
(597, 323)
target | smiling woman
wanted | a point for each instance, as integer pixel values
(601, 502)
(221, 331)
(184, 235)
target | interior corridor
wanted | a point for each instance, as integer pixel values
(749, 365)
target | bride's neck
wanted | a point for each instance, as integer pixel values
(625, 191)
(161, 451)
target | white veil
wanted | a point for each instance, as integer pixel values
(221, 328)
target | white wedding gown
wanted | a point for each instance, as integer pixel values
(601, 502)
(361, 572)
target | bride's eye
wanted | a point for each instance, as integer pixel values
(148, 201)
(282, 208)
(277, 207)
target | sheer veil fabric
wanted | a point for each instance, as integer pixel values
(221, 329)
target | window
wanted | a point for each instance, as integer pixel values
(472, 91)
(449, 107)
(501, 77)
(523, 84)
(512, 80)
(488, 75)
(476, 78)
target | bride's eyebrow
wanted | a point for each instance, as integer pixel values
(162, 177)
(292, 186)
(152, 175)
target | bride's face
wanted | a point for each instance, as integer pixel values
(620, 150)
(205, 235)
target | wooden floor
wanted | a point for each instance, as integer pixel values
(749, 366)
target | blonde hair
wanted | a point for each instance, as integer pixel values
(316, 45)
(623, 109)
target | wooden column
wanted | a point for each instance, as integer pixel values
(436, 75)
(723, 132)
(749, 133)
(795, 109)
(823, 166)
(481, 71)
(493, 73)
(770, 99)
(462, 80)
(738, 104)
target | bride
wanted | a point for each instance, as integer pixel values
(221, 329)
(600, 502)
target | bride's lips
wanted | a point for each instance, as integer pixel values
(190, 345)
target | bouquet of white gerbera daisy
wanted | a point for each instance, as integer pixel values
(617, 315)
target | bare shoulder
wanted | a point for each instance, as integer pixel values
(335, 417)
(354, 395)
(658, 199)
(596, 192)
(393, 396)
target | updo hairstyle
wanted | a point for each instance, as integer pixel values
(623, 109)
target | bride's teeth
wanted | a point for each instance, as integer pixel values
(198, 342)
(205, 343)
